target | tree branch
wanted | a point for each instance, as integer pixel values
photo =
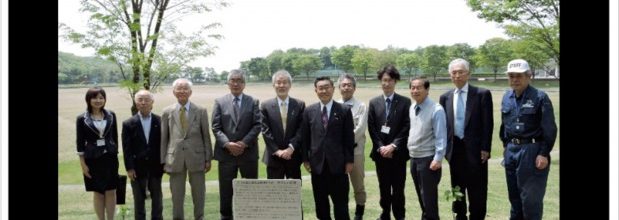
(111, 12)
(151, 17)
(153, 46)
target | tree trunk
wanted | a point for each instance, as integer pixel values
(134, 109)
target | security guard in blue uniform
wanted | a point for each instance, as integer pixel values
(528, 132)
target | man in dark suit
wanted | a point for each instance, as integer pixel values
(469, 136)
(388, 125)
(281, 118)
(328, 139)
(236, 125)
(141, 137)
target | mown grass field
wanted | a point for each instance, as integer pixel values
(75, 203)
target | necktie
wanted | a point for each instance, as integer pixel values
(459, 123)
(235, 107)
(283, 110)
(388, 101)
(183, 117)
(325, 117)
(417, 109)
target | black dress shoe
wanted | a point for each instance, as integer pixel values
(460, 217)
(359, 210)
(381, 217)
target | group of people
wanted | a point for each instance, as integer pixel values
(328, 139)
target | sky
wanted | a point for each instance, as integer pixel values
(253, 28)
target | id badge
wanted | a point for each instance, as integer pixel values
(519, 127)
(100, 142)
(385, 129)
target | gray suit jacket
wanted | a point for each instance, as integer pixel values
(192, 147)
(227, 129)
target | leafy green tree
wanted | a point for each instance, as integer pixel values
(256, 67)
(307, 64)
(409, 62)
(365, 60)
(530, 20)
(397, 50)
(223, 76)
(434, 59)
(211, 74)
(279, 59)
(141, 37)
(386, 57)
(296, 50)
(342, 57)
(464, 51)
(77, 76)
(76, 68)
(495, 53)
(166, 72)
(275, 60)
(195, 74)
(63, 78)
(537, 59)
(288, 63)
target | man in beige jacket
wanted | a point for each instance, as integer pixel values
(348, 85)
(185, 149)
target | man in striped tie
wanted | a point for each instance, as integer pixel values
(327, 143)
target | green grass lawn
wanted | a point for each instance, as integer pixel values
(75, 203)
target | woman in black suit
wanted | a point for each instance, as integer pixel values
(97, 139)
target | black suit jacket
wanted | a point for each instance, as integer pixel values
(334, 144)
(273, 133)
(398, 121)
(139, 155)
(478, 122)
(87, 135)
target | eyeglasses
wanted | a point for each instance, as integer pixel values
(236, 81)
(459, 72)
